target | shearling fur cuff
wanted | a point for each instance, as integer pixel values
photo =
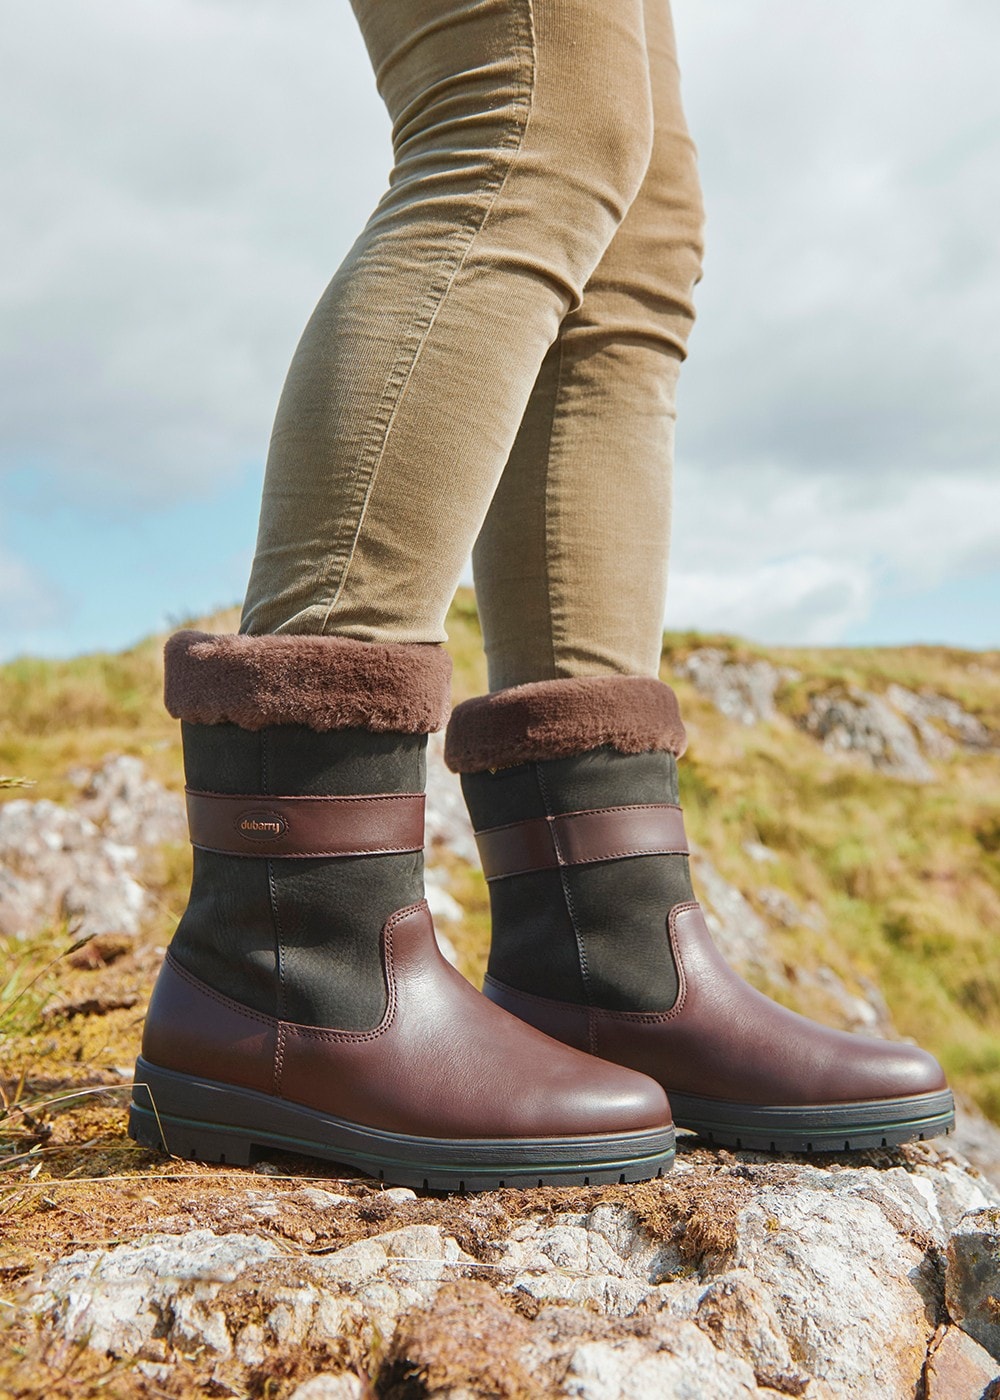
(556, 719)
(322, 682)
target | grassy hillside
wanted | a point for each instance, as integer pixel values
(907, 875)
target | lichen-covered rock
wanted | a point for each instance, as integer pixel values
(132, 1300)
(330, 1387)
(863, 725)
(927, 711)
(848, 1257)
(741, 690)
(972, 1279)
(83, 862)
(741, 1275)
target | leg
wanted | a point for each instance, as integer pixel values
(571, 777)
(303, 1002)
(571, 562)
(521, 130)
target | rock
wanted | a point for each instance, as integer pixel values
(757, 851)
(952, 1190)
(972, 1278)
(978, 1140)
(683, 1365)
(744, 939)
(447, 819)
(781, 907)
(816, 1280)
(866, 1011)
(58, 865)
(129, 807)
(849, 1284)
(123, 1300)
(318, 1198)
(741, 690)
(863, 725)
(741, 1319)
(442, 903)
(342, 1387)
(19, 896)
(83, 863)
(602, 1259)
(958, 1368)
(922, 709)
(740, 932)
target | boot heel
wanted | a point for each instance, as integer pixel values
(199, 1142)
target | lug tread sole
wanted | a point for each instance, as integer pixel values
(168, 1114)
(818, 1128)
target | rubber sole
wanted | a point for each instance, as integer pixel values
(846, 1127)
(209, 1121)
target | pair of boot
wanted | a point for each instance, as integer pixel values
(303, 1003)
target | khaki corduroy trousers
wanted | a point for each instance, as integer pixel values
(494, 363)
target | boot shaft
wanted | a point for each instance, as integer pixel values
(587, 922)
(293, 938)
(589, 932)
(298, 937)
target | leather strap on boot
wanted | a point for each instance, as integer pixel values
(580, 838)
(303, 827)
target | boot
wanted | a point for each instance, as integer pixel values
(303, 1003)
(598, 938)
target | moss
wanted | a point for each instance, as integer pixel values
(468, 1339)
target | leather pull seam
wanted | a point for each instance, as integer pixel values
(581, 838)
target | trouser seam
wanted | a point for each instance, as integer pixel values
(406, 363)
(546, 552)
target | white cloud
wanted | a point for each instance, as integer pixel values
(183, 196)
(788, 558)
(850, 311)
(28, 602)
(807, 597)
(188, 173)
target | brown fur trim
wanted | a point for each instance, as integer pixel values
(322, 682)
(555, 719)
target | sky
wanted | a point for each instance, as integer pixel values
(182, 177)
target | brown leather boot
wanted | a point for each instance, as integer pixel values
(303, 1003)
(598, 938)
